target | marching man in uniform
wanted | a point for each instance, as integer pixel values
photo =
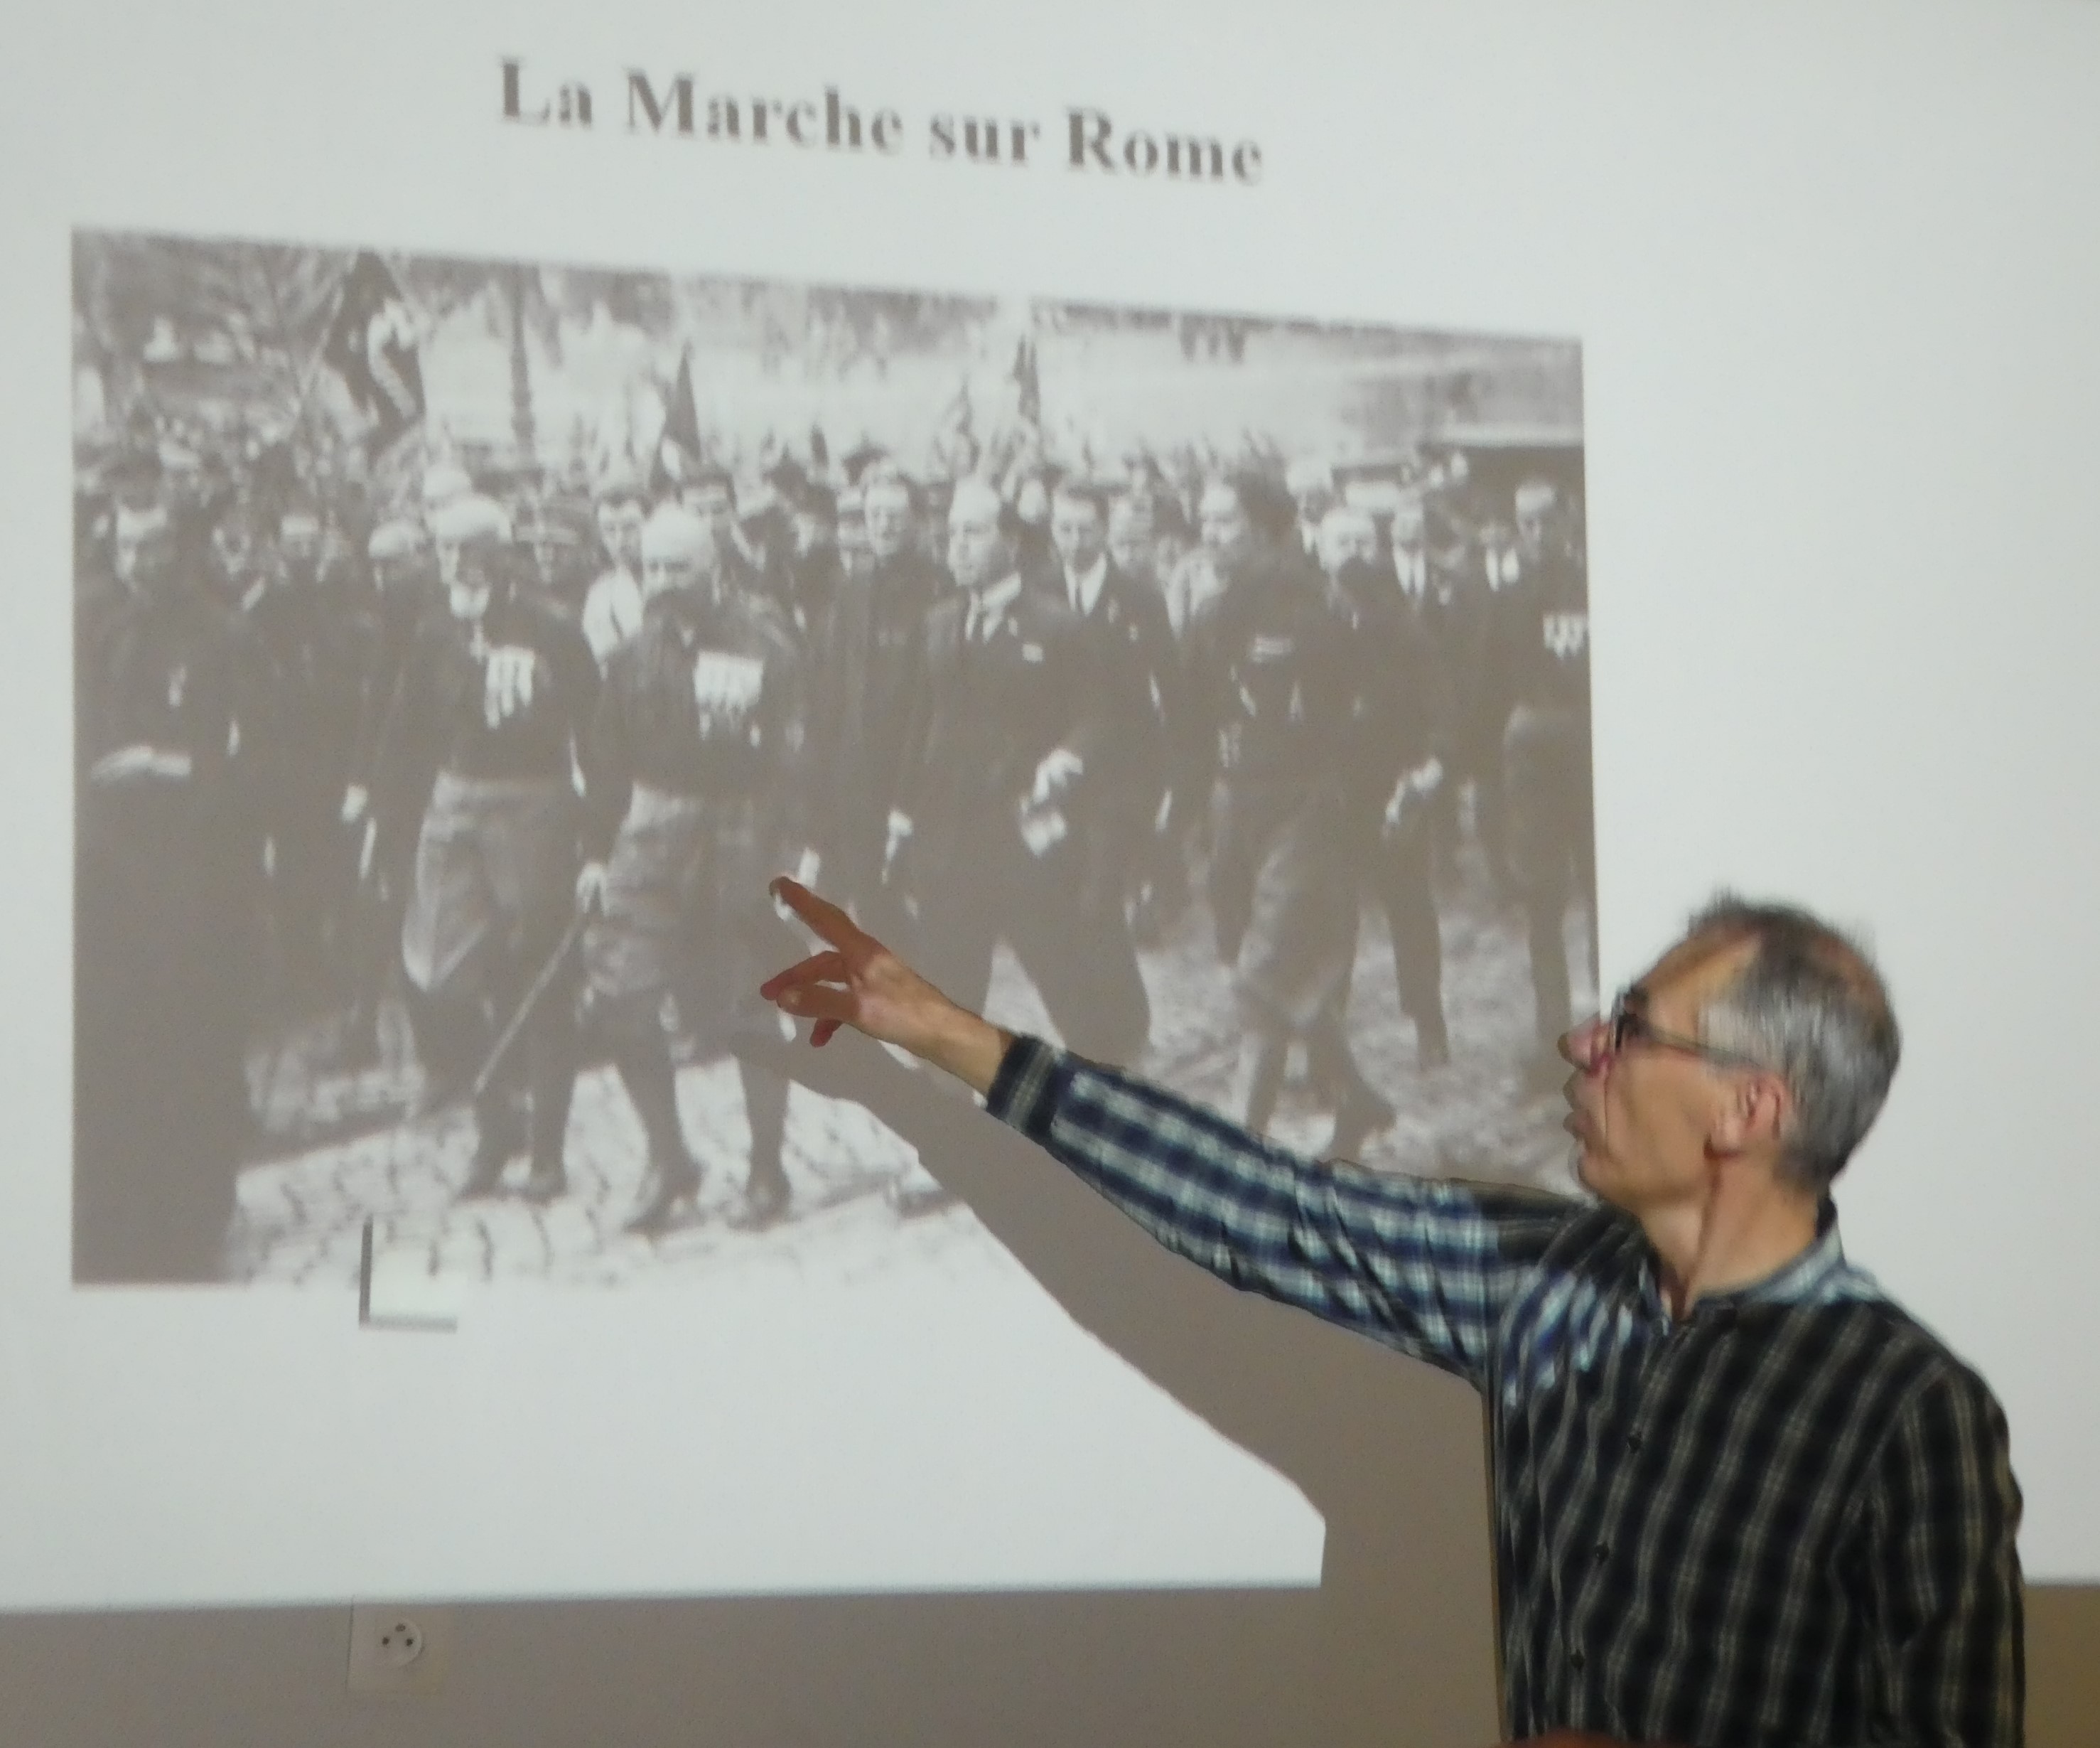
(1274, 658)
(499, 688)
(695, 742)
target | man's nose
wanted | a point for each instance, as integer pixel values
(1583, 1045)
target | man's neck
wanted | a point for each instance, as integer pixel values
(1741, 1233)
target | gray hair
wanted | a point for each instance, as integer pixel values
(1810, 1006)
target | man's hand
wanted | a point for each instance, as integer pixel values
(508, 686)
(1412, 790)
(1059, 770)
(858, 981)
(726, 688)
(590, 886)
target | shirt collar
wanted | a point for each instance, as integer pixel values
(1805, 1278)
(1083, 588)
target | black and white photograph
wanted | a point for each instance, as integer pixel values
(461, 645)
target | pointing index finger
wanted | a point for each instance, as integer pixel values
(822, 917)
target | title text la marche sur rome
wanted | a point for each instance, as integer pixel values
(1088, 141)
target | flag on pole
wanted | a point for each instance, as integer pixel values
(678, 447)
(1027, 382)
(372, 345)
(954, 446)
(956, 417)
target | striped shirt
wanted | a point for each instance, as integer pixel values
(1785, 1520)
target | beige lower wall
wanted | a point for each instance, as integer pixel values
(2063, 1667)
(1038, 1672)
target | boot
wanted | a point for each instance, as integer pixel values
(917, 1194)
(499, 1139)
(1360, 1115)
(1360, 1112)
(766, 1195)
(670, 1185)
(546, 1181)
(1432, 1041)
(766, 1189)
(553, 1087)
(643, 1058)
(1258, 1077)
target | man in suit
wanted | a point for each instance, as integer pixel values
(1012, 717)
(167, 866)
(868, 665)
(405, 591)
(1432, 583)
(1400, 756)
(1132, 648)
(310, 625)
(1481, 686)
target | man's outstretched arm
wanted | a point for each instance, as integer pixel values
(1422, 1266)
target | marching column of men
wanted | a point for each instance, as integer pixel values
(544, 817)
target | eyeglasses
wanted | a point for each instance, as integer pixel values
(1628, 1024)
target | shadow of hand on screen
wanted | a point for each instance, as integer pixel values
(1337, 1414)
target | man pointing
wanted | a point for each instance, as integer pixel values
(1741, 1498)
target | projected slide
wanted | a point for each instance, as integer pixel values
(1209, 693)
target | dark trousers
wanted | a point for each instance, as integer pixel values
(312, 864)
(1401, 870)
(1552, 847)
(164, 900)
(1083, 964)
(494, 892)
(373, 930)
(1484, 769)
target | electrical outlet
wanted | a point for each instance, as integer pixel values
(399, 1648)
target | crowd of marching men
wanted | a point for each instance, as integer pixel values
(527, 774)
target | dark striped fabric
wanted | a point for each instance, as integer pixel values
(1786, 1521)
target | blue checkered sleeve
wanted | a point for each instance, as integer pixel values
(1425, 1266)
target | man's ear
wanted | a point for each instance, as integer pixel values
(1752, 1115)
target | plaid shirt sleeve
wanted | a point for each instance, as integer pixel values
(1424, 1266)
(1944, 1576)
